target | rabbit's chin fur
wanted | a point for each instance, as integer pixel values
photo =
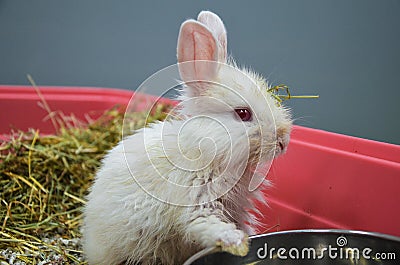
(181, 185)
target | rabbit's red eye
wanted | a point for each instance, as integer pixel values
(244, 114)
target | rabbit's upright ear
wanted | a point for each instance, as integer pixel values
(215, 24)
(198, 53)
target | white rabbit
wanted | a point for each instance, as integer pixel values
(181, 185)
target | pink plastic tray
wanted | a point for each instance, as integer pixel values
(325, 180)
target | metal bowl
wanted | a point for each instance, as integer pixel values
(311, 247)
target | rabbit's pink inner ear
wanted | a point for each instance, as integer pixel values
(216, 26)
(197, 50)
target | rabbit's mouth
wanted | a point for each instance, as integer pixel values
(267, 149)
(282, 139)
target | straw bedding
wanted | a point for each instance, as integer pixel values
(44, 180)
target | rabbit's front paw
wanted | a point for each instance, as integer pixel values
(235, 242)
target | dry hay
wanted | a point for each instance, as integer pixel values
(44, 180)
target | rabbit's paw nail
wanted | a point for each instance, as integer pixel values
(235, 242)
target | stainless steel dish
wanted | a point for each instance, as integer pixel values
(311, 247)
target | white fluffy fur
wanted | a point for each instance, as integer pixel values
(201, 164)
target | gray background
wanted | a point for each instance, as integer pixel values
(345, 51)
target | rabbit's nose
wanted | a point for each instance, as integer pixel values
(281, 146)
(282, 137)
